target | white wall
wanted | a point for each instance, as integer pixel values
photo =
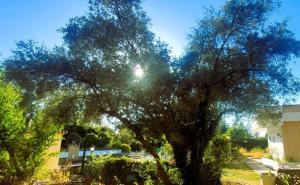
(290, 116)
(275, 142)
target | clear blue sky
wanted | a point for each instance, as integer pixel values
(172, 20)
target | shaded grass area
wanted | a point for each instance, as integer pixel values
(237, 172)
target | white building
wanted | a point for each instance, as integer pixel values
(284, 139)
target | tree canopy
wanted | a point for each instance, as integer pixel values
(77, 133)
(236, 61)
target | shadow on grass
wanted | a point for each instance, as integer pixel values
(239, 163)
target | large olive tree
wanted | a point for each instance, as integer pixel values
(236, 61)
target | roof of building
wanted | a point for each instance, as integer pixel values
(291, 108)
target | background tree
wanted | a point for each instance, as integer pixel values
(235, 62)
(241, 136)
(76, 133)
(126, 136)
(239, 133)
(89, 140)
(22, 143)
(85, 136)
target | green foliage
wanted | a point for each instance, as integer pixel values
(217, 155)
(167, 151)
(136, 146)
(113, 171)
(22, 141)
(127, 171)
(256, 149)
(284, 179)
(241, 137)
(89, 140)
(73, 138)
(236, 61)
(125, 136)
(125, 148)
(269, 116)
(287, 176)
(103, 139)
(238, 133)
(249, 144)
(97, 136)
(175, 175)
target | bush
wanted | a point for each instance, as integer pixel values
(217, 155)
(123, 170)
(73, 138)
(254, 152)
(125, 148)
(175, 175)
(288, 176)
(251, 143)
(136, 146)
(127, 171)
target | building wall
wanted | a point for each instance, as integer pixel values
(73, 152)
(284, 139)
(275, 142)
(52, 154)
(290, 116)
(291, 138)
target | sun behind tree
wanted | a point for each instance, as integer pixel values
(235, 62)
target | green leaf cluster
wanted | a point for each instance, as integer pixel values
(22, 141)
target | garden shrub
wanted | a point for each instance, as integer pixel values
(217, 155)
(254, 152)
(251, 143)
(257, 152)
(112, 171)
(175, 175)
(288, 176)
(136, 146)
(125, 148)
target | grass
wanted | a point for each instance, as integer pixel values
(238, 173)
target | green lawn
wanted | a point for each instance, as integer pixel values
(237, 172)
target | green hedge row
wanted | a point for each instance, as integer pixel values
(251, 143)
(123, 170)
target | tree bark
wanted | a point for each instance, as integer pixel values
(189, 160)
(189, 163)
(82, 162)
(161, 172)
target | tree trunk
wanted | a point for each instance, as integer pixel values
(82, 162)
(161, 172)
(190, 153)
(191, 165)
(188, 166)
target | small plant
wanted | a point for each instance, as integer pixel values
(59, 176)
(243, 151)
(284, 179)
(125, 148)
(254, 152)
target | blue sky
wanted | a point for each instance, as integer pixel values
(172, 20)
